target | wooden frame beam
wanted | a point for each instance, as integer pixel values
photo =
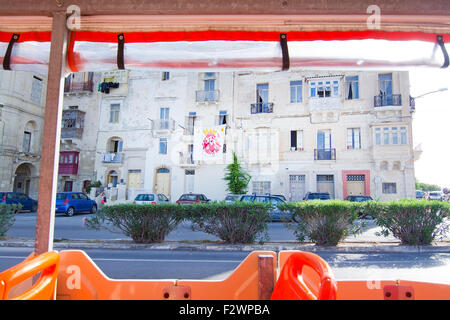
(218, 7)
(50, 145)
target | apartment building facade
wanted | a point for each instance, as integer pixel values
(338, 132)
(22, 105)
(79, 127)
(343, 133)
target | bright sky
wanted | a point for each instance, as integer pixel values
(431, 125)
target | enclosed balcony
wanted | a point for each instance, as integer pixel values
(79, 87)
(72, 124)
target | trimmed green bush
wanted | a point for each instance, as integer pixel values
(142, 223)
(7, 217)
(413, 222)
(239, 222)
(322, 222)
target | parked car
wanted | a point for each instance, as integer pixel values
(434, 195)
(354, 198)
(359, 198)
(191, 198)
(230, 198)
(74, 202)
(275, 213)
(279, 196)
(317, 196)
(420, 194)
(150, 198)
(19, 198)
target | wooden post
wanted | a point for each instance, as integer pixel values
(50, 140)
(265, 277)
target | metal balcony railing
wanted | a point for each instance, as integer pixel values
(261, 107)
(325, 154)
(163, 124)
(205, 96)
(74, 87)
(112, 157)
(187, 158)
(387, 100)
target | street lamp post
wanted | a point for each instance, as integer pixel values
(412, 100)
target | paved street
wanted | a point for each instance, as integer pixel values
(144, 263)
(72, 228)
(179, 264)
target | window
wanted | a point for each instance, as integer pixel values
(378, 136)
(36, 90)
(163, 146)
(191, 123)
(394, 135)
(324, 139)
(164, 118)
(116, 146)
(165, 76)
(296, 91)
(210, 84)
(353, 138)
(296, 140)
(114, 113)
(261, 187)
(385, 135)
(389, 188)
(403, 139)
(390, 136)
(324, 89)
(26, 141)
(222, 117)
(351, 88)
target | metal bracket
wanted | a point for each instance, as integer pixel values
(7, 58)
(120, 49)
(176, 293)
(398, 292)
(285, 51)
(440, 42)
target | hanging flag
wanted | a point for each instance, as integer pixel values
(208, 143)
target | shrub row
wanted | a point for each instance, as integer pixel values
(7, 217)
(239, 222)
(414, 222)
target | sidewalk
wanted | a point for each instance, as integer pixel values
(344, 247)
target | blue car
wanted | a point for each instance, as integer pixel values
(74, 202)
(19, 198)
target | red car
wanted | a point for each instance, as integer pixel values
(191, 198)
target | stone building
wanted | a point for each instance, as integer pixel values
(22, 104)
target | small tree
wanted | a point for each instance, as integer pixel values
(237, 178)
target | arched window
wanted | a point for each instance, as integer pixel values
(163, 170)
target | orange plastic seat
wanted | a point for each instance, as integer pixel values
(32, 279)
(294, 284)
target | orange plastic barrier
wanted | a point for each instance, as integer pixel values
(80, 279)
(292, 285)
(20, 283)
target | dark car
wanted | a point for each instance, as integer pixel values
(358, 198)
(19, 198)
(275, 213)
(230, 198)
(74, 202)
(191, 198)
(317, 196)
(354, 198)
